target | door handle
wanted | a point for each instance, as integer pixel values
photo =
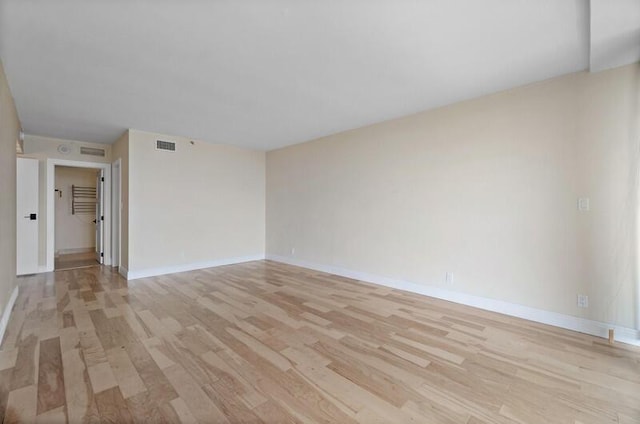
(31, 216)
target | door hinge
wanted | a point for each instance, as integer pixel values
(102, 218)
(102, 254)
(102, 179)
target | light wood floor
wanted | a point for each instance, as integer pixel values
(266, 342)
(75, 260)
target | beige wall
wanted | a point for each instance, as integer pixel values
(486, 189)
(47, 148)
(200, 204)
(9, 129)
(43, 148)
(121, 151)
(73, 232)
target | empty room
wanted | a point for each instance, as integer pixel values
(285, 211)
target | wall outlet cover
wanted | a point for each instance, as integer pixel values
(584, 204)
(448, 278)
(583, 301)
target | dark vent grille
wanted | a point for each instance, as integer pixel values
(91, 151)
(166, 145)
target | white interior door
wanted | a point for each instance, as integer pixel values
(100, 217)
(27, 216)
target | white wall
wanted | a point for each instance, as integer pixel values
(614, 33)
(486, 189)
(9, 129)
(43, 148)
(203, 204)
(48, 148)
(73, 232)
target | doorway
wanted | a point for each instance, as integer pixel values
(79, 218)
(89, 201)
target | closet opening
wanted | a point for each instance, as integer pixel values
(79, 217)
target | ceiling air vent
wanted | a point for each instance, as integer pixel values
(91, 151)
(169, 146)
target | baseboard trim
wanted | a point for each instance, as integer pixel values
(123, 271)
(152, 272)
(6, 313)
(569, 322)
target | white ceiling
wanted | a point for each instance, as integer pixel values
(269, 73)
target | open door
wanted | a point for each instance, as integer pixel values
(99, 221)
(27, 216)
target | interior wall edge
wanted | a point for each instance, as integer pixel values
(568, 322)
(7, 311)
(123, 271)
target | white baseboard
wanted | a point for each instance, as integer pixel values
(123, 271)
(152, 272)
(6, 313)
(595, 328)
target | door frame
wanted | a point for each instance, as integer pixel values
(116, 212)
(99, 232)
(51, 210)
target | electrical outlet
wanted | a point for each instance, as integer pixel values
(584, 204)
(583, 301)
(448, 278)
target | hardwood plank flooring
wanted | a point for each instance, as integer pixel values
(75, 260)
(267, 342)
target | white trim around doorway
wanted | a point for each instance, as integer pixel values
(116, 212)
(50, 206)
